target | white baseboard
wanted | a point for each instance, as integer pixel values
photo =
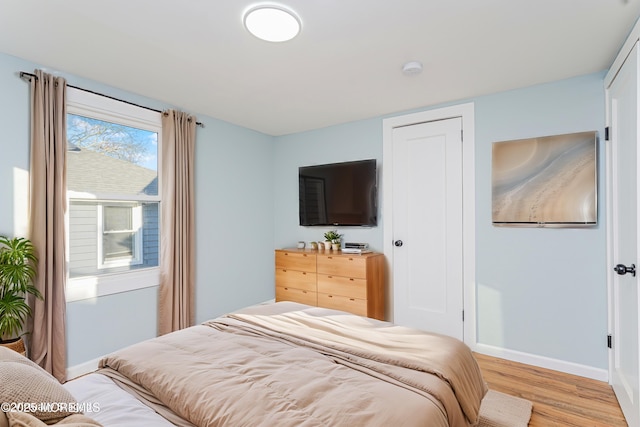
(544, 362)
(82, 369)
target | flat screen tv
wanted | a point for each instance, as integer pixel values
(339, 194)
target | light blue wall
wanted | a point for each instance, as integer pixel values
(234, 220)
(540, 291)
(97, 326)
(234, 226)
(14, 148)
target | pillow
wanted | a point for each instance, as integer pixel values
(21, 419)
(24, 382)
(7, 355)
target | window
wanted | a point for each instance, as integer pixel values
(113, 191)
(120, 236)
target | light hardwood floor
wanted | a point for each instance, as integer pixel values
(559, 399)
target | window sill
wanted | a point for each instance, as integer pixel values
(88, 287)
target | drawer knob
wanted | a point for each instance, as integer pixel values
(351, 279)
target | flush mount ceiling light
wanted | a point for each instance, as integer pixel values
(272, 23)
(412, 67)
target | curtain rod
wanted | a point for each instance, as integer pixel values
(28, 76)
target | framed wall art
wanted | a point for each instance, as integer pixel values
(549, 181)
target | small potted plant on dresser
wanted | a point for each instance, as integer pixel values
(332, 240)
(17, 271)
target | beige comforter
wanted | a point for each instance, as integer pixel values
(291, 365)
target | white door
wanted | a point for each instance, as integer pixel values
(427, 226)
(623, 124)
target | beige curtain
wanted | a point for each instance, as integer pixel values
(47, 209)
(177, 263)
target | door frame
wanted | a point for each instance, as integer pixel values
(466, 113)
(625, 51)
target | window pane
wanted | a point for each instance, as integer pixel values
(118, 246)
(110, 158)
(150, 234)
(117, 218)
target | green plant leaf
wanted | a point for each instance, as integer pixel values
(13, 313)
(332, 235)
(18, 262)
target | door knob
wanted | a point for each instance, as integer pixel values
(622, 269)
(398, 243)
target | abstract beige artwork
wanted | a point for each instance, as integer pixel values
(547, 181)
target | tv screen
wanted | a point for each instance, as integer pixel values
(339, 194)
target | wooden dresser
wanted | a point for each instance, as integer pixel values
(331, 279)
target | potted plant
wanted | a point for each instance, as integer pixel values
(332, 240)
(17, 271)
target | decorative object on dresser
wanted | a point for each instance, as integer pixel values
(17, 271)
(332, 240)
(336, 280)
(355, 248)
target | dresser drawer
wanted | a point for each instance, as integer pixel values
(284, 293)
(345, 286)
(295, 279)
(338, 302)
(348, 266)
(296, 261)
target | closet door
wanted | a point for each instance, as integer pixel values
(622, 174)
(427, 226)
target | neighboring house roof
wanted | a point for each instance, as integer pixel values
(96, 173)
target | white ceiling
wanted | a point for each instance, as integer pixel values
(345, 65)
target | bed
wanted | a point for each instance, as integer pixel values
(287, 364)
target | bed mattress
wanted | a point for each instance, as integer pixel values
(112, 406)
(293, 365)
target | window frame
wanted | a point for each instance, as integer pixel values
(87, 104)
